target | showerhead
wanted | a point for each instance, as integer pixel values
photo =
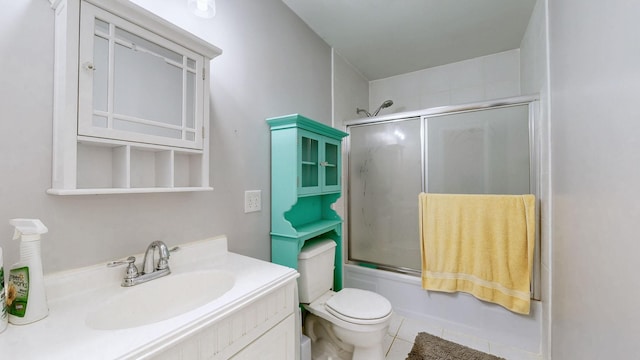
(358, 111)
(385, 104)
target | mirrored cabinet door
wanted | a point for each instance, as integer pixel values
(137, 86)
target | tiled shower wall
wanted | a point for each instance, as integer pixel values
(487, 77)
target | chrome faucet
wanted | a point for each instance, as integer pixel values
(149, 265)
(150, 268)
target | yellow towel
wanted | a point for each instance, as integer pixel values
(479, 244)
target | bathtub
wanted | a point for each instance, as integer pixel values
(455, 312)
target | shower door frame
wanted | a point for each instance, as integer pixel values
(423, 115)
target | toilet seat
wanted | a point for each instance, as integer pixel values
(358, 306)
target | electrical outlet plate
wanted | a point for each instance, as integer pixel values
(252, 200)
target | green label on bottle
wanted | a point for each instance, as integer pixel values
(3, 299)
(18, 291)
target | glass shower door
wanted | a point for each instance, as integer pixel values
(481, 151)
(385, 177)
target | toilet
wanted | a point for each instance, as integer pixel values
(347, 324)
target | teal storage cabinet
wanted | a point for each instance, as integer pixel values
(306, 169)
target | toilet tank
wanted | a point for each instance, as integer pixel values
(315, 265)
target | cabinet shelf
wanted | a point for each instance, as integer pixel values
(105, 191)
(310, 230)
(107, 166)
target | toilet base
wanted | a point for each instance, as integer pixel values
(324, 344)
(368, 354)
(366, 345)
(326, 341)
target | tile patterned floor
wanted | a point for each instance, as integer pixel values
(402, 332)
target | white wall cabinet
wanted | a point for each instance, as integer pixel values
(131, 101)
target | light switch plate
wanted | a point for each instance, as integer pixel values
(252, 200)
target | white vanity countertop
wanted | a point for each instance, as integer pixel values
(74, 294)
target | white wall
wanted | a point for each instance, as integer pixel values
(350, 91)
(272, 64)
(486, 77)
(595, 135)
(534, 79)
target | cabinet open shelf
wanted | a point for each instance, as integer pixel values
(310, 230)
(106, 166)
(105, 191)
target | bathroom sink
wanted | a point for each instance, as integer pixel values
(159, 299)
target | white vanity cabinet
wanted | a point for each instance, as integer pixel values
(262, 329)
(131, 101)
(277, 343)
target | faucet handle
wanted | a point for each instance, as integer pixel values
(163, 262)
(128, 261)
(132, 270)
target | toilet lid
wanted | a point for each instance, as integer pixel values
(358, 306)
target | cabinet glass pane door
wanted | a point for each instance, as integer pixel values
(331, 165)
(138, 86)
(309, 175)
(151, 77)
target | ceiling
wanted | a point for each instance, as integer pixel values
(383, 38)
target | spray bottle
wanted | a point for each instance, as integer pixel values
(26, 298)
(4, 316)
